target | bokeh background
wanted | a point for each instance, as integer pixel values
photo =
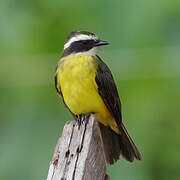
(144, 56)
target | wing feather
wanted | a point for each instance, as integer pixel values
(108, 90)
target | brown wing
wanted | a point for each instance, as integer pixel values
(115, 144)
(108, 91)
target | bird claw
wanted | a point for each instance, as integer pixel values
(86, 118)
(83, 118)
(79, 120)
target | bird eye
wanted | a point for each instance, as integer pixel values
(85, 42)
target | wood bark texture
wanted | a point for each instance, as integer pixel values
(81, 154)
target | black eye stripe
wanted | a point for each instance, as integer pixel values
(82, 45)
(84, 42)
(79, 46)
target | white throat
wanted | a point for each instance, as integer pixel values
(91, 52)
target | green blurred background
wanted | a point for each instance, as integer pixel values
(144, 56)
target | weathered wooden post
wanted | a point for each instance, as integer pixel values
(81, 154)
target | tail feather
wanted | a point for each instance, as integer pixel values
(118, 144)
(128, 148)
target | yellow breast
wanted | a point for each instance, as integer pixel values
(76, 78)
(76, 81)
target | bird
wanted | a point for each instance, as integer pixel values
(87, 87)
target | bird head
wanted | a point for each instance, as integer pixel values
(82, 42)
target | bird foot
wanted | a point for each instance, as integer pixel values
(86, 118)
(83, 118)
(80, 118)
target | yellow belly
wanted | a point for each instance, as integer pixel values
(76, 79)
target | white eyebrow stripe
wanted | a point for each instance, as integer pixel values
(79, 38)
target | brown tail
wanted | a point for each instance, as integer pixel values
(118, 144)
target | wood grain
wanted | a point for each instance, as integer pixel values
(81, 155)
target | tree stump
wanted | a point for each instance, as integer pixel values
(81, 155)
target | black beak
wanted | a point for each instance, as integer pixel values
(101, 43)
